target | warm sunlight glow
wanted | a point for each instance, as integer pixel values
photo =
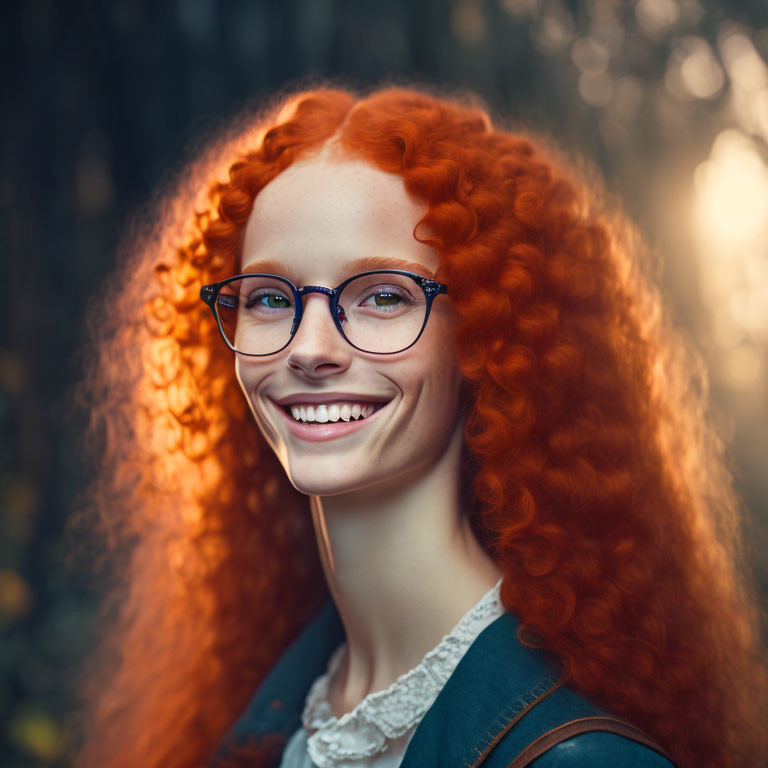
(731, 230)
(693, 71)
(749, 82)
(732, 190)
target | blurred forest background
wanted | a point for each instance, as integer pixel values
(103, 100)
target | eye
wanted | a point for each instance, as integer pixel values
(385, 299)
(269, 300)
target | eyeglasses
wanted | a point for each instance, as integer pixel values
(383, 311)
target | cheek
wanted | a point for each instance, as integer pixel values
(436, 417)
(245, 375)
(250, 372)
(444, 402)
(249, 376)
(442, 373)
(437, 386)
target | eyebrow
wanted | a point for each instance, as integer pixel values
(271, 267)
(352, 268)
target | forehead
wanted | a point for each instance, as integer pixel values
(322, 214)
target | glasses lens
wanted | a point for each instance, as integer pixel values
(256, 314)
(382, 312)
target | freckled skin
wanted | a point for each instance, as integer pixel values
(315, 218)
(384, 499)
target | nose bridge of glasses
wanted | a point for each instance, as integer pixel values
(304, 293)
(330, 292)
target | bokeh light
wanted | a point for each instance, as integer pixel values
(731, 234)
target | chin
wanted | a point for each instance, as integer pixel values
(317, 484)
(326, 481)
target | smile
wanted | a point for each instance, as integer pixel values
(321, 413)
(318, 422)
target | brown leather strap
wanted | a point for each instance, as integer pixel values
(481, 757)
(561, 733)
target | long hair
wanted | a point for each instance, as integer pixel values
(600, 489)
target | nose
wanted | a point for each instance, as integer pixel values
(318, 349)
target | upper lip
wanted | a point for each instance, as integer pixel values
(330, 397)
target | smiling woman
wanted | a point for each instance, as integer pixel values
(358, 353)
(479, 519)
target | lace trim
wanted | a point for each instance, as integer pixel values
(385, 715)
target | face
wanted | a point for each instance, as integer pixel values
(319, 222)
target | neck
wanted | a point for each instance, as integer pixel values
(403, 566)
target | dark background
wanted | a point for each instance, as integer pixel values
(101, 101)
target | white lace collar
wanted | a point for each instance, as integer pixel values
(385, 715)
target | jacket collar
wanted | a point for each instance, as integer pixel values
(495, 681)
(274, 712)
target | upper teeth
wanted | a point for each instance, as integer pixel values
(333, 412)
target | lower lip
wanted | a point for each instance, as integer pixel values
(318, 433)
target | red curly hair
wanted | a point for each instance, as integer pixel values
(599, 488)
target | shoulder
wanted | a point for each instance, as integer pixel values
(600, 749)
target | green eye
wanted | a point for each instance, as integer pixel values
(269, 300)
(276, 302)
(386, 299)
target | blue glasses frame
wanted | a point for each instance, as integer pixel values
(212, 296)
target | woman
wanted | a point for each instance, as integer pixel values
(470, 405)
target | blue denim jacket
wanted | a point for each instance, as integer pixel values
(468, 725)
